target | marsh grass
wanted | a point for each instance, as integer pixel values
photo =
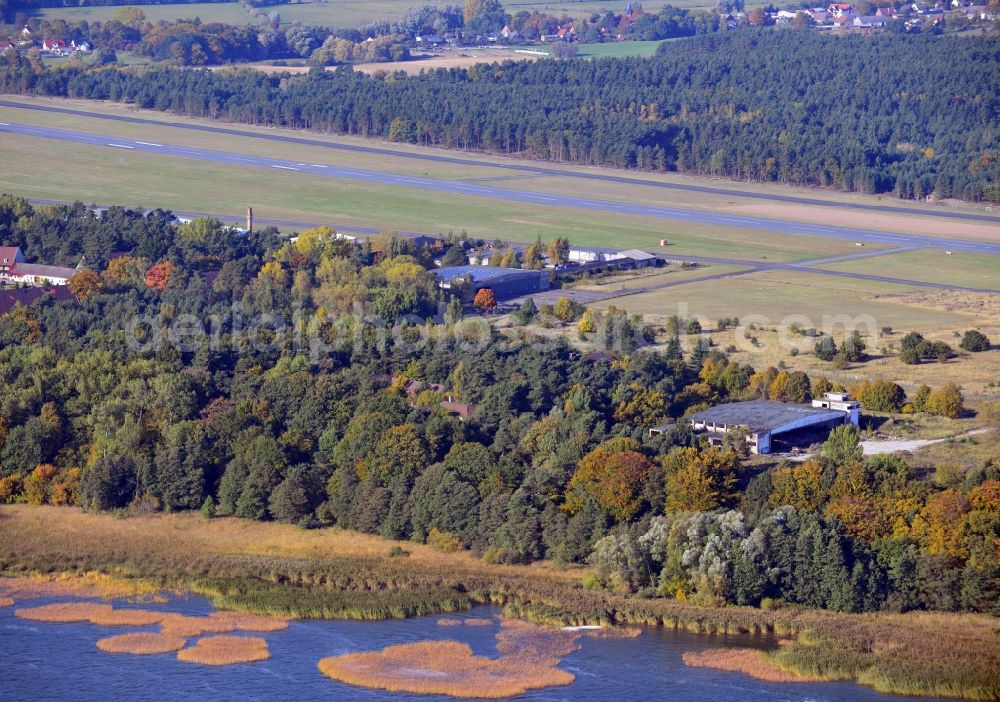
(225, 650)
(141, 643)
(6, 601)
(529, 656)
(328, 573)
(85, 584)
(749, 661)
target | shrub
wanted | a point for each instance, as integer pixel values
(974, 341)
(443, 541)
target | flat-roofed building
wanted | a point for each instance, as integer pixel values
(767, 419)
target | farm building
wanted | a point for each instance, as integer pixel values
(505, 283)
(771, 422)
(13, 269)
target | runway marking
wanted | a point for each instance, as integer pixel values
(121, 146)
(284, 168)
(4, 124)
(317, 165)
(148, 143)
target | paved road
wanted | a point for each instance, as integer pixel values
(510, 167)
(497, 193)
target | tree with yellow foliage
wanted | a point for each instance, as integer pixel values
(800, 486)
(699, 481)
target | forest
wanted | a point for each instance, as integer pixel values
(204, 369)
(848, 113)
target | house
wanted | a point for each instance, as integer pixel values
(82, 45)
(510, 34)
(766, 419)
(869, 22)
(10, 255)
(6, 45)
(886, 12)
(13, 269)
(819, 14)
(9, 299)
(430, 40)
(840, 9)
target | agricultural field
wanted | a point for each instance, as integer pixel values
(618, 49)
(226, 12)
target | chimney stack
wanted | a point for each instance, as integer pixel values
(249, 220)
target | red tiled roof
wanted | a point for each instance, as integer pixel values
(25, 296)
(9, 254)
(37, 269)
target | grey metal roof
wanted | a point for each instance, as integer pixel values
(759, 415)
(484, 274)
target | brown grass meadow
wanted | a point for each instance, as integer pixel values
(225, 650)
(141, 643)
(281, 570)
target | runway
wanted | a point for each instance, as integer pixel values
(515, 167)
(512, 195)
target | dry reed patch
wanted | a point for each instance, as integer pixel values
(525, 641)
(442, 668)
(615, 632)
(226, 650)
(478, 621)
(141, 643)
(65, 612)
(748, 661)
(6, 601)
(128, 617)
(92, 612)
(252, 622)
(187, 626)
(449, 622)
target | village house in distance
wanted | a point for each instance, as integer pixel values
(14, 270)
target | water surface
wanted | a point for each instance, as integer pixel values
(55, 661)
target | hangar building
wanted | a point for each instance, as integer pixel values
(506, 283)
(767, 419)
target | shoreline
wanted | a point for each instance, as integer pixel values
(275, 569)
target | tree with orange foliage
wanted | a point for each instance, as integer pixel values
(485, 300)
(85, 284)
(613, 474)
(159, 275)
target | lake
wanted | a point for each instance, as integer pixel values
(55, 661)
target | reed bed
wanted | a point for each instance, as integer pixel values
(252, 622)
(6, 601)
(188, 626)
(275, 569)
(749, 661)
(442, 668)
(449, 622)
(86, 584)
(142, 643)
(128, 617)
(225, 650)
(65, 612)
